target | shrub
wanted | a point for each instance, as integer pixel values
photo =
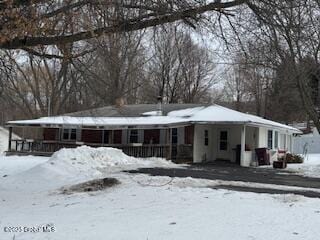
(293, 158)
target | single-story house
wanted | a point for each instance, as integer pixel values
(181, 132)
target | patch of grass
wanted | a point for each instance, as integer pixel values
(91, 186)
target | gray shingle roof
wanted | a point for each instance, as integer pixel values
(135, 110)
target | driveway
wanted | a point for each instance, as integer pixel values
(231, 172)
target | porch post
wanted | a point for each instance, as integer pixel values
(10, 139)
(243, 145)
(102, 136)
(170, 143)
(112, 136)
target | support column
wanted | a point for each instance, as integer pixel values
(10, 139)
(102, 136)
(243, 146)
(170, 143)
(112, 136)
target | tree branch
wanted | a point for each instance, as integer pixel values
(125, 26)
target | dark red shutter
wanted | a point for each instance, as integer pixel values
(91, 136)
(188, 134)
(50, 133)
(117, 136)
(152, 135)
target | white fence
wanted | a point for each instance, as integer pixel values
(306, 144)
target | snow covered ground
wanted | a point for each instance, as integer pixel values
(141, 207)
(12, 165)
(310, 167)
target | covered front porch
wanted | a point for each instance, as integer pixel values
(175, 143)
(193, 142)
(239, 143)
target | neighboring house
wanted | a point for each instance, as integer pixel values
(306, 128)
(181, 132)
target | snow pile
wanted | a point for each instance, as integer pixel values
(87, 162)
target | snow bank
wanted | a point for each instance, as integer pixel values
(86, 162)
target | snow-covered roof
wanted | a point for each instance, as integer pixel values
(218, 114)
(213, 114)
(101, 121)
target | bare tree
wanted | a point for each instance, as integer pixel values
(292, 28)
(290, 32)
(180, 69)
(37, 86)
(29, 23)
(115, 69)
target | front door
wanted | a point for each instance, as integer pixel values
(223, 145)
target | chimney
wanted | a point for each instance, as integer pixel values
(159, 106)
(119, 102)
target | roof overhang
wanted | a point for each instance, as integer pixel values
(286, 129)
(214, 114)
(106, 126)
(99, 126)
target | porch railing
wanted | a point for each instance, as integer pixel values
(49, 147)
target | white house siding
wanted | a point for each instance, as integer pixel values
(124, 138)
(140, 135)
(263, 137)
(200, 151)
(234, 139)
(284, 139)
(252, 135)
(212, 151)
(256, 137)
(289, 143)
(180, 135)
(78, 134)
(163, 136)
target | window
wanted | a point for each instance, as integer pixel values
(223, 141)
(270, 139)
(206, 137)
(69, 134)
(65, 135)
(276, 139)
(133, 136)
(174, 136)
